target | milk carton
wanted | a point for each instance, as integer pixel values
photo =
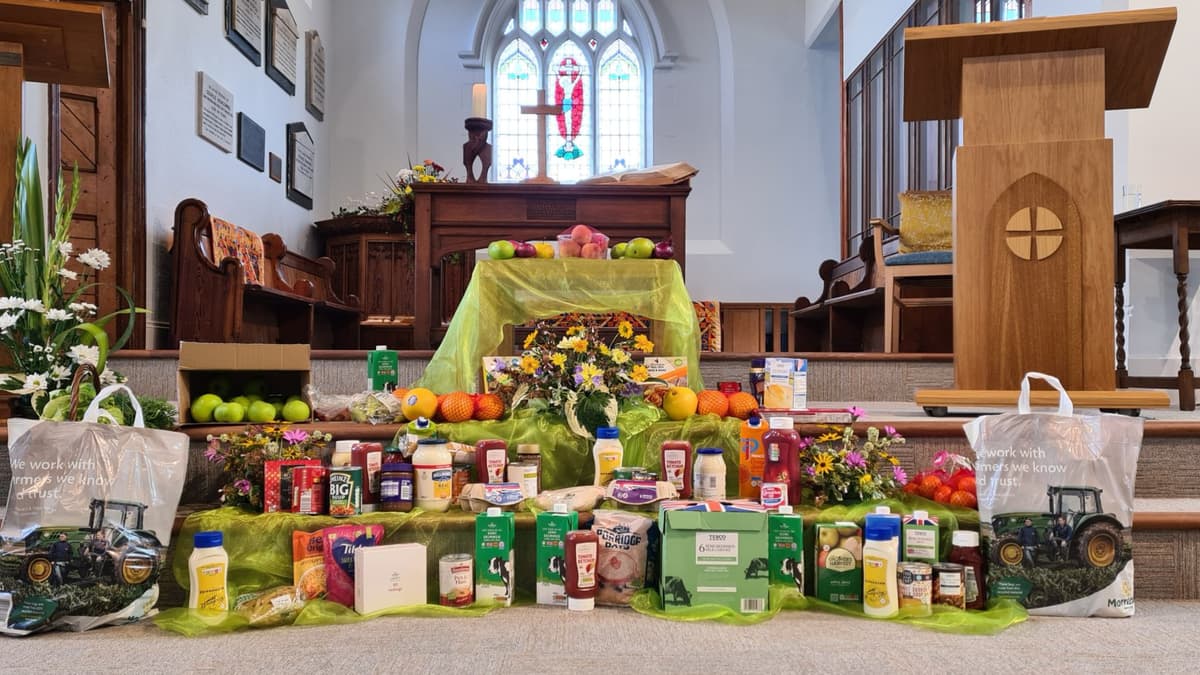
(785, 548)
(839, 563)
(495, 533)
(552, 529)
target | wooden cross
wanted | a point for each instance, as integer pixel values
(542, 110)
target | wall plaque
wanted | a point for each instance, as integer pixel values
(200, 6)
(252, 142)
(301, 164)
(275, 167)
(314, 92)
(214, 112)
(244, 27)
(283, 45)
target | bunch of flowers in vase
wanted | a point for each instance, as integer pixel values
(838, 466)
(397, 201)
(243, 455)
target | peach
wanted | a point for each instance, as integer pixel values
(568, 249)
(590, 251)
(581, 234)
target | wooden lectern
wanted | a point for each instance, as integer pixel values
(1033, 211)
(53, 42)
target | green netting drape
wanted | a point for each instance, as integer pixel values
(511, 292)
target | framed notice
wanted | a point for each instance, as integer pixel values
(244, 27)
(215, 121)
(275, 167)
(301, 164)
(283, 45)
(314, 93)
(252, 142)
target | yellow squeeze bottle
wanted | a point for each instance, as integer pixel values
(880, 594)
(208, 572)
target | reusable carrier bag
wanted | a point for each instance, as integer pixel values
(1056, 506)
(89, 518)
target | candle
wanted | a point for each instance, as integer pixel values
(479, 100)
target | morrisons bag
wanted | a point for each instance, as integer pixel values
(1056, 506)
(88, 520)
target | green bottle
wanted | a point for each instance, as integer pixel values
(383, 367)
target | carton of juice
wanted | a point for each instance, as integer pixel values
(495, 532)
(785, 548)
(753, 457)
(839, 563)
(552, 529)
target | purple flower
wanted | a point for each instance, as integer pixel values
(855, 459)
(810, 471)
(856, 412)
(212, 454)
(578, 379)
(242, 486)
(890, 431)
(295, 436)
(807, 442)
(898, 473)
(597, 380)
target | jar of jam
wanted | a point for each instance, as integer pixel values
(965, 552)
(396, 487)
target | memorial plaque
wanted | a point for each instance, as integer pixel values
(314, 92)
(244, 27)
(200, 6)
(283, 45)
(275, 167)
(214, 112)
(301, 164)
(252, 142)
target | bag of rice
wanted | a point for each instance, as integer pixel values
(308, 564)
(340, 543)
(628, 556)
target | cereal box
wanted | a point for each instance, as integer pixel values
(786, 385)
(670, 369)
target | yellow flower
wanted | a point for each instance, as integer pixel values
(894, 461)
(408, 190)
(530, 338)
(419, 168)
(528, 365)
(589, 371)
(643, 344)
(639, 373)
(625, 329)
(827, 437)
(574, 330)
(620, 356)
(823, 464)
(865, 480)
(603, 349)
(558, 359)
(580, 345)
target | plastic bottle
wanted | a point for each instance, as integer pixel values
(491, 460)
(208, 571)
(880, 595)
(607, 453)
(579, 577)
(416, 430)
(675, 461)
(965, 551)
(368, 457)
(708, 476)
(782, 444)
(432, 464)
(758, 378)
(752, 460)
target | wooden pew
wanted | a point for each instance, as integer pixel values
(272, 296)
(848, 315)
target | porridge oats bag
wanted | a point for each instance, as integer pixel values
(628, 556)
(1056, 506)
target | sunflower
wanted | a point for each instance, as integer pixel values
(603, 348)
(643, 344)
(558, 359)
(828, 436)
(823, 463)
(639, 373)
(625, 329)
(530, 338)
(574, 330)
(580, 345)
(529, 365)
(620, 356)
(865, 480)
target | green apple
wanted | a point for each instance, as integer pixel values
(620, 249)
(242, 401)
(220, 385)
(230, 413)
(640, 247)
(293, 397)
(260, 411)
(296, 411)
(501, 250)
(203, 407)
(277, 403)
(255, 389)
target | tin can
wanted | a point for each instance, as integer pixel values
(773, 495)
(308, 490)
(642, 474)
(729, 388)
(456, 580)
(345, 491)
(914, 582)
(626, 472)
(460, 477)
(525, 475)
(948, 585)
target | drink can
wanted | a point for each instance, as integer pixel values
(456, 580)
(308, 490)
(914, 581)
(774, 495)
(345, 491)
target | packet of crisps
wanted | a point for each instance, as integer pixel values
(340, 543)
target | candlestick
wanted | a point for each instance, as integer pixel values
(479, 100)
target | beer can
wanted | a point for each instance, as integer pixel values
(914, 581)
(308, 490)
(345, 491)
(456, 580)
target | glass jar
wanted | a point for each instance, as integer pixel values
(709, 474)
(396, 487)
(965, 551)
(433, 464)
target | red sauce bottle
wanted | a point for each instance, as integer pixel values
(965, 551)
(781, 445)
(579, 573)
(676, 465)
(491, 460)
(369, 457)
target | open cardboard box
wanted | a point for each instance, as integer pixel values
(285, 370)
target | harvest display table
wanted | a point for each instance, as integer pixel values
(453, 217)
(505, 293)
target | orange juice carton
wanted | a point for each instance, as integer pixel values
(786, 384)
(752, 458)
(671, 369)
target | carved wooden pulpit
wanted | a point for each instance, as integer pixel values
(1033, 203)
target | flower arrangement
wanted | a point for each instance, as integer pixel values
(46, 327)
(243, 454)
(580, 375)
(397, 201)
(836, 468)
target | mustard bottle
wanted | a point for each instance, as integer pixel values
(208, 573)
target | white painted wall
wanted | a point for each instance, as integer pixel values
(180, 164)
(820, 23)
(864, 23)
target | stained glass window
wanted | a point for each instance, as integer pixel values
(573, 50)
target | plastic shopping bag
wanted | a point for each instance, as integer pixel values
(1056, 506)
(88, 521)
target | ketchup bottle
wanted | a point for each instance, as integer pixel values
(491, 460)
(676, 465)
(581, 560)
(782, 445)
(369, 457)
(965, 552)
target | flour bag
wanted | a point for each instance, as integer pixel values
(88, 521)
(1056, 506)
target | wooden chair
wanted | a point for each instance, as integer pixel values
(845, 317)
(916, 279)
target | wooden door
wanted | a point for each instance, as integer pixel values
(98, 132)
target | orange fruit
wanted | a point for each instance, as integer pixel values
(742, 404)
(929, 486)
(712, 401)
(400, 393)
(456, 407)
(962, 498)
(967, 484)
(942, 494)
(419, 402)
(912, 487)
(488, 407)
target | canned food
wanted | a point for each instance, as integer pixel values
(308, 490)
(626, 472)
(644, 475)
(456, 580)
(773, 495)
(526, 475)
(948, 585)
(345, 491)
(914, 581)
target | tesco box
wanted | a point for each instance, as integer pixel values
(230, 369)
(714, 558)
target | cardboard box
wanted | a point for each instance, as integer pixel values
(284, 370)
(277, 482)
(714, 557)
(389, 576)
(552, 529)
(671, 369)
(495, 566)
(838, 564)
(786, 385)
